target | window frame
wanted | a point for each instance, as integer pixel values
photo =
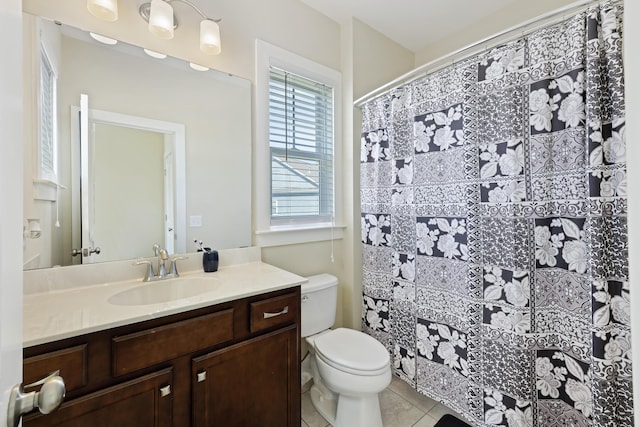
(293, 230)
(43, 37)
(48, 175)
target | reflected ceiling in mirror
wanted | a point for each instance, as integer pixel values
(213, 107)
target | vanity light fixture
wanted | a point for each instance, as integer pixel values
(103, 39)
(160, 16)
(154, 54)
(106, 10)
(198, 67)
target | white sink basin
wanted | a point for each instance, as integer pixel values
(164, 291)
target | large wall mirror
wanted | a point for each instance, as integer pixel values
(143, 183)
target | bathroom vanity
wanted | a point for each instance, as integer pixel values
(228, 356)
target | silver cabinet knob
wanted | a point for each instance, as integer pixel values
(165, 391)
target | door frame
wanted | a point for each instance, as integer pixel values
(11, 188)
(175, 135)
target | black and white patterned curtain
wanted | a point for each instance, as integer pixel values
(494, 229)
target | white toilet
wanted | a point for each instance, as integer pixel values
(349, 368)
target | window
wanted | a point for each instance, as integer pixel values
(47, 134)
(301, 143)
(298, 151)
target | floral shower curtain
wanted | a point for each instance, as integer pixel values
(494, 229)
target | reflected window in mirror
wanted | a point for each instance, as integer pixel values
(47, 136)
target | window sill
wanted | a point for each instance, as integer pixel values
(45, 189)
(280, 236)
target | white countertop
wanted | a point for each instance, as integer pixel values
(62, 313)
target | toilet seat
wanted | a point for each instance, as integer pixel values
(353, 352)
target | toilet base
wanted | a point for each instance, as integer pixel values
(325, 402)
(346, 411)
(361, 411)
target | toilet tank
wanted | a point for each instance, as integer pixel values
(319, 301)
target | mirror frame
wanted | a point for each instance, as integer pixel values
(201, 202)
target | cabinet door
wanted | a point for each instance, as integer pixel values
(253, 383)
(143, 402)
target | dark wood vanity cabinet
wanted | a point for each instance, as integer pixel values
(232, 364)
(261, 367)
(145, 401)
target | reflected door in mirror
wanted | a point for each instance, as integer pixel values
(128, 202)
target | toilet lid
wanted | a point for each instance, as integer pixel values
(350, 350)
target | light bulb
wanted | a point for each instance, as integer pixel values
(210, 37)
(103, 9)
(161, 19)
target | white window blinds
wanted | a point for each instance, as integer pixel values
(47, 119)
(301, 145)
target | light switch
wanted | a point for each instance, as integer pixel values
(195, 221)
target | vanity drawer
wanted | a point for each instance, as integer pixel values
(274, 311)
(72, 363)
(149, 347)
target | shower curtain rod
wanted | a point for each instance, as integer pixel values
(444, 60)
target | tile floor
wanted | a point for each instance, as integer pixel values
(401, 406)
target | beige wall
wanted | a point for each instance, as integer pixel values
(376, 60)
(349, 296)
(313, 258)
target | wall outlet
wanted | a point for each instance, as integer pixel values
(195, 221)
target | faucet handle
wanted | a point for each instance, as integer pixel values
(174, 269)
(149, 274)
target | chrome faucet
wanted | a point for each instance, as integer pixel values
(162, 257)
